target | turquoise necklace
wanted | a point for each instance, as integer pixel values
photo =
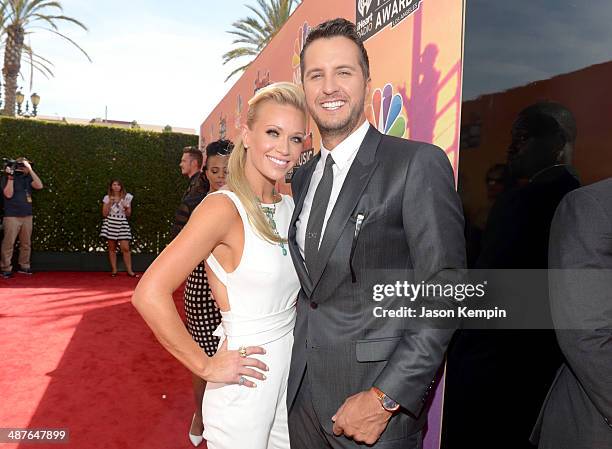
(269, 211)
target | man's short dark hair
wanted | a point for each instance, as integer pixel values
(337, 28)
(195, 154)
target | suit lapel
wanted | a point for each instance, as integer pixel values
(296, 256)
(354, 184)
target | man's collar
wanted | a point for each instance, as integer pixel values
(554, 171)
(346, 149)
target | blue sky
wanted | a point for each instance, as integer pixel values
(154, 61)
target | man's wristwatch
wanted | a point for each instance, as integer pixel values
(387, 403)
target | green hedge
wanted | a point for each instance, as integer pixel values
(75, 164)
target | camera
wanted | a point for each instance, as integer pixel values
(9, 166)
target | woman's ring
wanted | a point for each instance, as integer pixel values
(242, 351)
(242, 380)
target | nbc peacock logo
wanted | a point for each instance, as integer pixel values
(302, 34)
(386, 112)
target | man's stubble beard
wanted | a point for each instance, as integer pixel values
(342, 129)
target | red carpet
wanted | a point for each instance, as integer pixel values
(76, 354)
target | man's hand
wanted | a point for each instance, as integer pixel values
(36, 182)
(361, 418)
(27, 168)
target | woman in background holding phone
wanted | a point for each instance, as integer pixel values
(116, 208)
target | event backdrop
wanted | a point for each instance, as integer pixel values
(415, 51)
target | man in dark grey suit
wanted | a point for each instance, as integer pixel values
(366, 205)
(577, 413)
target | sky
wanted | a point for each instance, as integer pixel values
(159, 62)
(509, 44)
(156, 62)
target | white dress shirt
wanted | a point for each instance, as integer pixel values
(344, 155)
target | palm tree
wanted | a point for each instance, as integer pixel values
(20, 18)
(256, 32)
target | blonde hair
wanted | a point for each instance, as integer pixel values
(280, 93)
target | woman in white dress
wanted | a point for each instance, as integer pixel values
(251, 276)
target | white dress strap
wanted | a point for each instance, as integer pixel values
(216, 268)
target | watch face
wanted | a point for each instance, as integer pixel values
(390, 404)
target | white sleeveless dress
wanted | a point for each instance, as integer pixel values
(262, 294)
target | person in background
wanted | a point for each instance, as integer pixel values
(17, 188)
(496, 182)
(191, 166)
(116, 208)
(497, 379)
(201, 312)
(577, 412)
(215, 169)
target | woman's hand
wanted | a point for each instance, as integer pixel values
(229, 366)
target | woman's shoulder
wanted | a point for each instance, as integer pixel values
(225, 190)
(215, 217)
(226, 195)
(219, 203)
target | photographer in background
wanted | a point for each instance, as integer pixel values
(17, 183)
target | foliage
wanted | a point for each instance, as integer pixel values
(76, 162)
(18, 19)
(254, 33)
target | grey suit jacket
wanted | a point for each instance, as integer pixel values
(413, 224)
(577, 412)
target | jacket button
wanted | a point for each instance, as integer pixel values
(313, 305)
